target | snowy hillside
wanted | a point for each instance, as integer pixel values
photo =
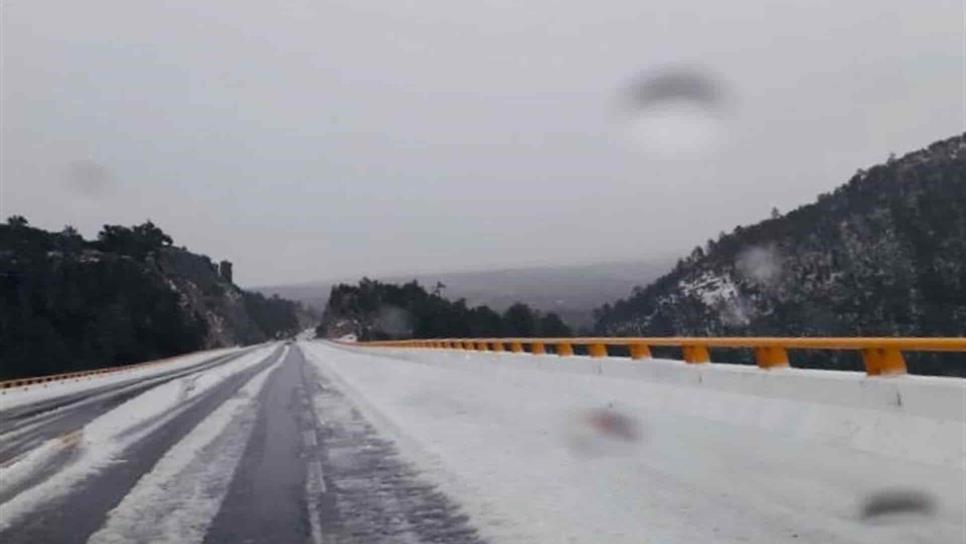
(882, 255)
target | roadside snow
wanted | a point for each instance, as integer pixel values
(177, 500)
(105, 438)
(18, 396)
(543, 449)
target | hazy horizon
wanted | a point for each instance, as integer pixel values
(407, 275)
(308, 142)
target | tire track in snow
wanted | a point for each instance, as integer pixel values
(266, 501)
(177, 500)
(375, 495)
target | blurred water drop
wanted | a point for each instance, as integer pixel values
(89, 178)
(394, 321)
(760, 265)
(675, 113)
(603, 432)
(896, 505)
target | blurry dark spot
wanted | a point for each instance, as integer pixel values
(675, 112)
(886, 504)
(676, 84)
(610, 423)
(89, 178)
(604, 432)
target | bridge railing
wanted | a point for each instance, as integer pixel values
(881, 356)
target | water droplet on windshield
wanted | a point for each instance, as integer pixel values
(394, 321)
(675, 113)
(89, 178)
(897, 505)
(603, 432)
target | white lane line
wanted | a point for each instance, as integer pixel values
(314, 487)
(178, 499)
(317, 477)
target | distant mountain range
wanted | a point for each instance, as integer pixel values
(571, 291)
(884, 254)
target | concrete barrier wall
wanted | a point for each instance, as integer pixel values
(917, 418)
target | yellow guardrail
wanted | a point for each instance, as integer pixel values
(880, 355)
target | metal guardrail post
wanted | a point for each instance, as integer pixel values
(696, 354)
(640, 351)
(879, 361)
(771, 357)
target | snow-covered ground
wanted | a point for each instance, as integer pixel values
(545, 449)
(18, 396)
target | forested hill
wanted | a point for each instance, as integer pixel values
(71, 304)
(884, 254)
(373, 310)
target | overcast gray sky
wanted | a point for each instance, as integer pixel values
(310, 139)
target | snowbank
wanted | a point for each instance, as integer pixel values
(713, 453)
(919, 418)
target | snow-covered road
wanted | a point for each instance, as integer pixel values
(317, 442)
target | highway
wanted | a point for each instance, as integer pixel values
(324, 443)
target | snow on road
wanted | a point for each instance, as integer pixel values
(19, 396)
(101, 441)
(536, 455)
(177, 500)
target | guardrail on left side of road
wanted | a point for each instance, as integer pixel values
(81, 374)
